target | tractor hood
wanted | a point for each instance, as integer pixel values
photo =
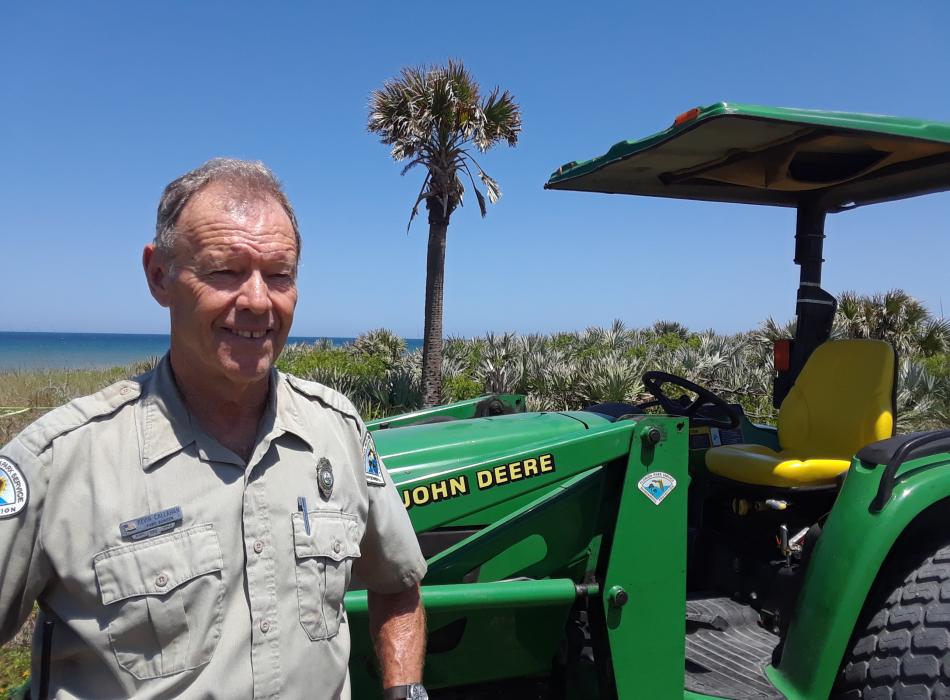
(764, 155)
(420, 450)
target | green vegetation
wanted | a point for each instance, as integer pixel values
(572, 370)
(435, 117)
(14, 668)
(44, 389)
(557, 372)
(15, 661)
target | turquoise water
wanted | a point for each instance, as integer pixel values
(86, 350)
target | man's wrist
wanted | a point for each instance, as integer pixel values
(406, 691)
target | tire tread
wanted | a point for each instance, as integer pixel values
(903, 651)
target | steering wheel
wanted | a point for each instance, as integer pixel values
(652, 381)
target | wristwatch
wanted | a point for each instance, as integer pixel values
(413, 691)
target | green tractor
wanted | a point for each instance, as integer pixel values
(681, 551)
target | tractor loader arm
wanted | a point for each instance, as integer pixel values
(590, 554)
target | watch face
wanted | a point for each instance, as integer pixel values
(417, 692)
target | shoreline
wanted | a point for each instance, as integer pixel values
(33, 351)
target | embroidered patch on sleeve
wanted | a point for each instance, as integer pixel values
(13, 489)
(372, 462)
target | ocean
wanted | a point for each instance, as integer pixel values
(26, 351)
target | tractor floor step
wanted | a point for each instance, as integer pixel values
(727, 651)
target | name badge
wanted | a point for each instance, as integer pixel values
(151, 525)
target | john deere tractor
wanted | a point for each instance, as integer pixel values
(679, 550)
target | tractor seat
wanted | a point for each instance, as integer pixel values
(842, 400)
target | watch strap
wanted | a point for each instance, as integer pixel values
(398, 692)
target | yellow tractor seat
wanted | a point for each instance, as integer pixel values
(842, 400)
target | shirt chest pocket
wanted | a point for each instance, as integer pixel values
(324, 560)
(163, 601)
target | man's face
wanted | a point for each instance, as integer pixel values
(232, 289)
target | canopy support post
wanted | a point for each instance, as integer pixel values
(815, 308)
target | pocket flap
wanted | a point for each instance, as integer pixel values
(158, 565)
(334, 535)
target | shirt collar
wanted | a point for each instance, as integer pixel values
(283, 406)
(167, 425)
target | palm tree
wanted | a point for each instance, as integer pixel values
(433, 116)
(894, 316)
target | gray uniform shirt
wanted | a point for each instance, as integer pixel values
(237, 598)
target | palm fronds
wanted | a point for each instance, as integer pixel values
(433, 116)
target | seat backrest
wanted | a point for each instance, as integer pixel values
(842, 400)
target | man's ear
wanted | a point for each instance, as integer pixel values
(157, 273)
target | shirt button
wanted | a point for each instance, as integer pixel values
(336, 547)
(124, 390)
(265, 626)
(258, 547)
(161, 580)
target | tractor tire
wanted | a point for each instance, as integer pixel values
(902, 651)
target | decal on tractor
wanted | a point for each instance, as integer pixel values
(514, 471)
(484, 478)
(657, 486)
(435, 492)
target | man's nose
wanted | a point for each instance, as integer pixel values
(254, 295)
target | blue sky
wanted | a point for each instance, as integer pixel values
(101, 104)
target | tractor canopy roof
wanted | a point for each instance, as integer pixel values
(769, 155)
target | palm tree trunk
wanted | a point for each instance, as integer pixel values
(435, 276)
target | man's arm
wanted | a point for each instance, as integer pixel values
(24, 569)
(398, 625)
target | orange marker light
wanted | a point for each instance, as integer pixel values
(782, 355)
(687, 116)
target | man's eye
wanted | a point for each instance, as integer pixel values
(223, 273)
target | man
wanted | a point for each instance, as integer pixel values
(192, 532)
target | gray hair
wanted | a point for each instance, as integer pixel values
(253, 180)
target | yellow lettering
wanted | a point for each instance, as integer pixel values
(440, 490)
(530, 467)
(458, 486)
(506, 473)
(406, 500)
(420, 494)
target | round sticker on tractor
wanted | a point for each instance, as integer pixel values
(657, 486)
(13, 489)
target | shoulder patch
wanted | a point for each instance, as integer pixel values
(372, 462)
(78, 412)
(324, 394)
(14, 491)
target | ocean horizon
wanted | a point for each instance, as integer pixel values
(35, 350)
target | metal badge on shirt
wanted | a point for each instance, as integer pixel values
(325, 477)
(151, 524)
(372, 462)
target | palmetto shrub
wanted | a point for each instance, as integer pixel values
(573, 370)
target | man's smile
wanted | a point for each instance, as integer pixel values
(255, 335)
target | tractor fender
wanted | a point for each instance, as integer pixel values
(850, 554)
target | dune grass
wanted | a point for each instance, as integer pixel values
(41, 390)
